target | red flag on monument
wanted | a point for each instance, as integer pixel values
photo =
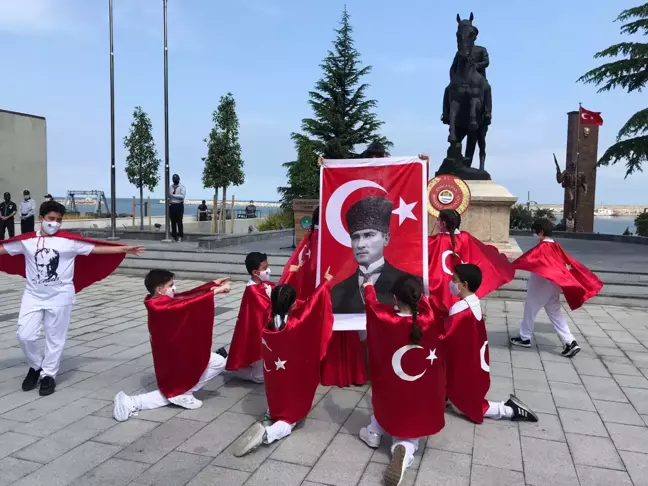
(590, 117)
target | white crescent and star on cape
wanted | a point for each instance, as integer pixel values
(444, 264)
(334, 223)
(398, 357)
(482, 358)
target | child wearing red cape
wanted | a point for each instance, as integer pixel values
(553, 271)
(57, 265)
(407, 370)
(344, 364)
(449, 246)
(465, 344)
(180, 327)
(245, 359)
(294, 342)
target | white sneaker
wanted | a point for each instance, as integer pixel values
(124, 407)
(370, 438)
(248, 374)
(396, 468)
(250, 440)
(187, 401)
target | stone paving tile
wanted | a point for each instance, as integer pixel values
(602, 391)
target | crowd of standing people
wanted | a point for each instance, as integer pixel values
(25, 210)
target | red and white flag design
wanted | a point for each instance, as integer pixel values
(373, 225)
(590, 117)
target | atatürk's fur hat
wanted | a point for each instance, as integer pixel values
(369, 213)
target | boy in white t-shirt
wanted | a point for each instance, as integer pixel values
(49, 264)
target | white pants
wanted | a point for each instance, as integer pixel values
(155, 399)
(278, 431)
(544, 293)
(55, 322)
(411, 445)
(254, 372)
(496, 410)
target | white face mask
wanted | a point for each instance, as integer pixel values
(265, 275)
(50, 227)
(171, 291)
(454, 288)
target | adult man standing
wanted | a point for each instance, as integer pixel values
(368, 222)
(8, 210)
(27, 213)
(177, 194)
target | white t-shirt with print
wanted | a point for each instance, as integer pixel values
(49, 263)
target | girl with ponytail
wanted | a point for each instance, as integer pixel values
(449, 246)
(407, 372)
(283, 297)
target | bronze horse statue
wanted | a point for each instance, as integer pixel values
(468, 96)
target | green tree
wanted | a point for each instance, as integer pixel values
(521, 217)
(142, 163)
(641, 222)
(629, 71)
(223, 163)
(343, 119)
(544, 213)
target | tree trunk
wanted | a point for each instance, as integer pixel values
(214, 225)
(224, 210)
(142, 208)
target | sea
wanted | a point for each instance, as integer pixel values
(613, 225)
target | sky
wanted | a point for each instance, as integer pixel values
(55, 63)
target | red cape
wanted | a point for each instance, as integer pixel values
(344, 363)
(466, 345)
(301, 270)
(496, 269)
(408, 386)
(254, 313)
(549, 260)
(87, 269)
(292, 357)
(181, 330)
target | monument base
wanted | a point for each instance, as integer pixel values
(488, 216)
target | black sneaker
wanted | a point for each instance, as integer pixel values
(570, 350)
(518, 341)
(31, 380)
(521, 411)
(47, 386)
(221, 352)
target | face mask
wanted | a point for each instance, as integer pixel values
(50, 227)
(265, 275)
(170, 292)
(454, 288)
(27, 198)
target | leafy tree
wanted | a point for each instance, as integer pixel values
(521, 217)
(544, 213)
(223, 163)
(343, 118)
(142, 163)
(641, 222)
(629, 71)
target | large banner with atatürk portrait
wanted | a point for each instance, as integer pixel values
(373, 227)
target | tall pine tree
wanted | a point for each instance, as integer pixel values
(629, 70)
(343, 120)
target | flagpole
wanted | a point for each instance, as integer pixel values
(167, 182)
(113, 195)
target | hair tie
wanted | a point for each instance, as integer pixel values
(278, 322)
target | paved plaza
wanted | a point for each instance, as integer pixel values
(592, 431)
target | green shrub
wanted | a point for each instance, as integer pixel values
(276, 220)
(641, 222)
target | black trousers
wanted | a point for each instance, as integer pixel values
(9, 225)
(27, 225)
(176, 212)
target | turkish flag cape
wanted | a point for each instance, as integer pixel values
(87, 269)
(181, 329)
(292, 356)
(408, 390)
(301, 270)
(549, 260)
(467, 359)
(344, 364)
(254, 314)
(496, 269)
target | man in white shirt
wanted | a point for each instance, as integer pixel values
(27, 213)
(177, 194)
(50, 291)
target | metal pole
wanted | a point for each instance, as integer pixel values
(167, 181)
(113, 196)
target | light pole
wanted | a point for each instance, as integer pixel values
(167, 182)
(113, 197)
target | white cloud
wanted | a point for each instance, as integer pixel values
(19, 16)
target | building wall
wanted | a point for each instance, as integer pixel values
(23, 155)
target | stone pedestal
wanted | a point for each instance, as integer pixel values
(488, 217)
